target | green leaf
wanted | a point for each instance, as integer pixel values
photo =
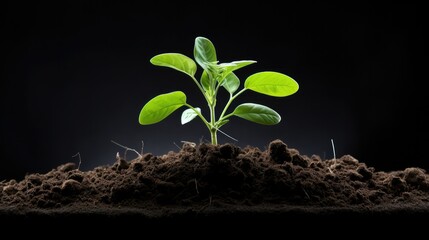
(176, 61)
(257, 113)
(161, 106)
(205, 81)
(189, 114)
(204, 52)
(271, 83)
(226, 68)
(221, 123)
(208, 84)
(232, 66)
(231, 83)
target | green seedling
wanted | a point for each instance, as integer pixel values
(215, 76)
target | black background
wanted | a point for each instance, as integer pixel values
(76, 74)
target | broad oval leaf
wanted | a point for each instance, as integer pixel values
(161, 106)
(257, 113)
(189, 114)
(271, 83)
(231, 83)
(205, 81)
(227, 68)
(176, 61)
(204, 52)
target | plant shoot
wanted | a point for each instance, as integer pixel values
(216, 76)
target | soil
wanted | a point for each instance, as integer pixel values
(224, 184)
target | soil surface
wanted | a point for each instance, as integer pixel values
(223, 183)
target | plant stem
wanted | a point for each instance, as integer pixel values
(213, 134)
(201, 88)
(213, 129)
(231, 98)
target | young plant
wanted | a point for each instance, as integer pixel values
(215, 76)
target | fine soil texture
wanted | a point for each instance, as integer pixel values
(223, 183)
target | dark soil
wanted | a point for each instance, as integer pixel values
(222, 183)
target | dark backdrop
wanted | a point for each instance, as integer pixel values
(75, 76)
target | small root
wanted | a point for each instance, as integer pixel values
(80, 159)
(129, 149)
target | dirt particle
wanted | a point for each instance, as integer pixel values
(317, 166)
(229, 151)
(365, 172)
(46, 186)
(330, 176)
(10, 189)
(300, 161)
(67, 167)
(407, 195)
(56, 189)
(354, 175)
(316, 158)
(189, 147)
(203, 148)
(397, 184)
(121, 164)
(137, 166)
(34, 179)
(278, 152)
(70, 186)
(76, 176)
(147, 156)
(414, 176)
(349, 160)
(245, 164)
(288, 168)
